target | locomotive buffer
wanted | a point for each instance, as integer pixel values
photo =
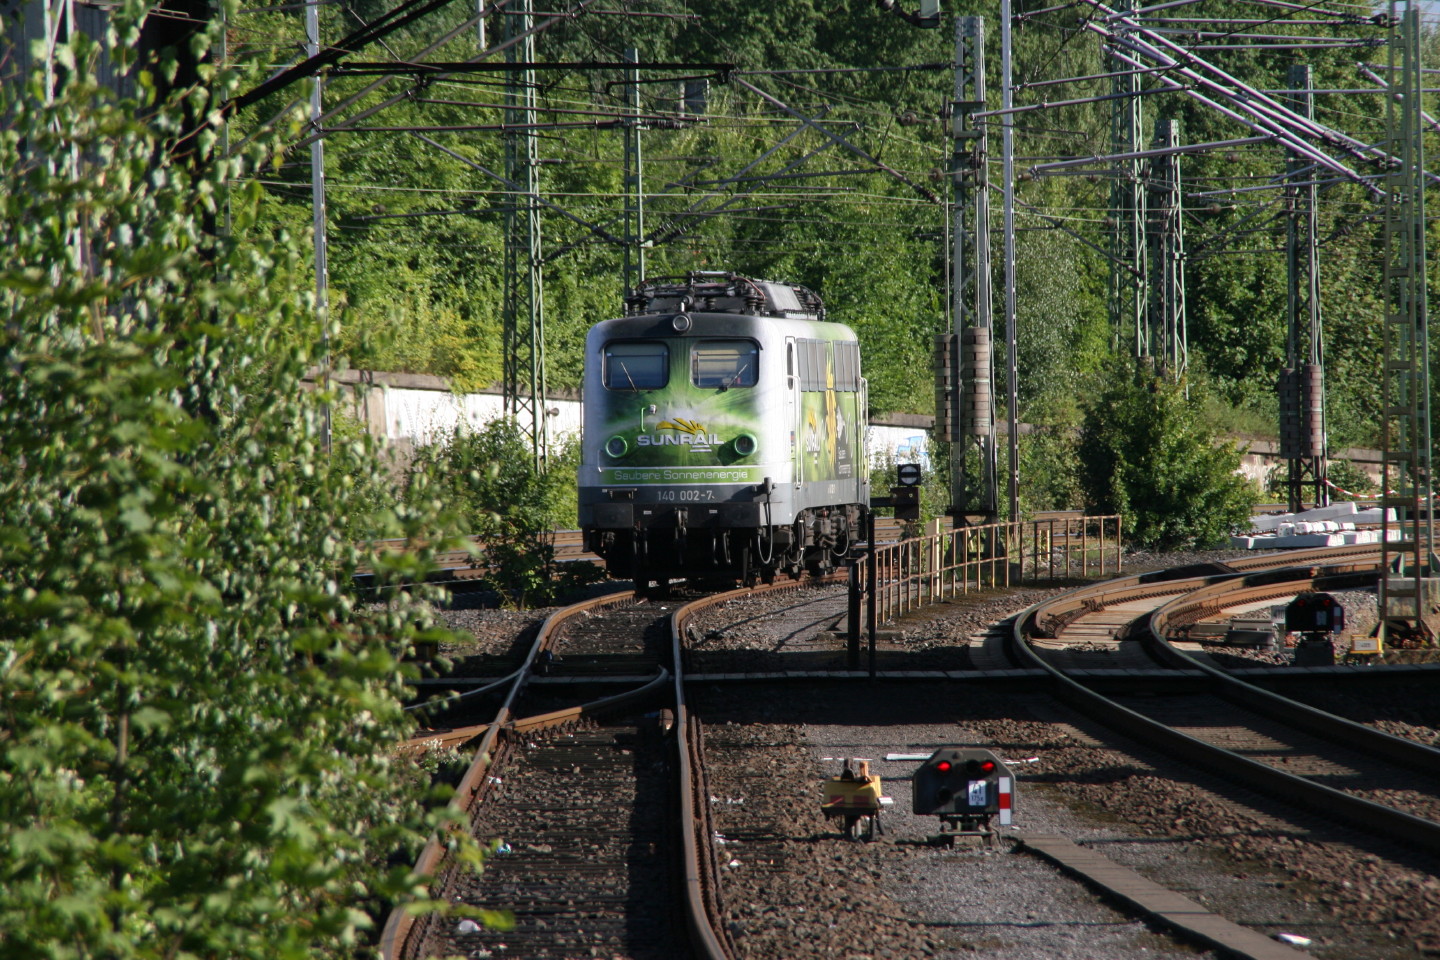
(965, 787)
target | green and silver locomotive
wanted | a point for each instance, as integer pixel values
(724, 433)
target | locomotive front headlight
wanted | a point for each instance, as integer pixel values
(617, 447)
(745, 445)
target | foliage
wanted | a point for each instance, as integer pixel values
(489, 476)
(1347, 477)
(199, 709)
(1144, 454)
(1049, 471)
(417, 228)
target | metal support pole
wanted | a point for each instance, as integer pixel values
(1012, 379)
(1167, 254)
(317, 203)
(1128, 273)
(972, 412)
(871, 579)
(852, 620)
(1408, 586)
(634, 260)
(1304, 350)
(524, 386)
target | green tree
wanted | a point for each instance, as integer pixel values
(1144, 454)
(199, 709)
(489, 475)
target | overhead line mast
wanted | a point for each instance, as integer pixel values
(1409, 586)
(524, 283)
(966, 374)
(1302, 382)
(1129, 272)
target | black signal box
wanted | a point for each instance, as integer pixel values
(1314, 613)
(963, 782)
(906, 501)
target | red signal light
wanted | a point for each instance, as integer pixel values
(943, 766)
(987, 766)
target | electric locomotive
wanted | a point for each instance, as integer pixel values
(724, 433)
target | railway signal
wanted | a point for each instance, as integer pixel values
(1317, 617)
(965, 787)
(905, 495)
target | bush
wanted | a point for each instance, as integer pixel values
(1347, 477)
(199, 710)
(1144, 454)
(1049, 471)
(488, 476)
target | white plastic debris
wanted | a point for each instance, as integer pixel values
(504, 848)
(1294, 939)
(467, 926)
(733, 863)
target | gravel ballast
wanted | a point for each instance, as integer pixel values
(796, 888)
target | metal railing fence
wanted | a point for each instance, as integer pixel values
(941, 563)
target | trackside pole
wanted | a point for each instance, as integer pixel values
(870, 578)
(852, 621)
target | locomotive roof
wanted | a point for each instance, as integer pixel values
(724, 293)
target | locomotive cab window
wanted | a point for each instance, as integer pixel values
(636, 366)
(724, 363)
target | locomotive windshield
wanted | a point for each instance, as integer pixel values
(724, 363)
(636, 366)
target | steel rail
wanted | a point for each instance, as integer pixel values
(1161, 625)
(1372, 817)
(1054, 614)
(701, 885)
(702, 889)
(395, 936)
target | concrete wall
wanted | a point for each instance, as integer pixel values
(409, 409)
(1263, 456)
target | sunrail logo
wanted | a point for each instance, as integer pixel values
(686, 433)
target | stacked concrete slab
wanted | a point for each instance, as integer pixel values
(1338, 524)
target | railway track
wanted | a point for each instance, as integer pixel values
(1365, 777)
(598, 810)
(465, 564)
(581, 814)
(1130, 605)
(1076, 657)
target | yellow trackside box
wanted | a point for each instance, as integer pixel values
(860, 795)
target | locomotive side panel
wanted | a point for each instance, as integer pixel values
(832, 417)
